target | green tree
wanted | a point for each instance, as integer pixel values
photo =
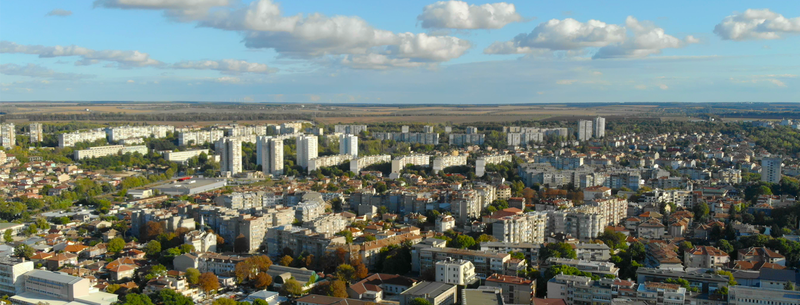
(419, 301)
(156, 271)
(726, 246)
(170, 297)
(116, 245)
(193, 276)
(152, 248)
(23, 250)
(8, 236)
(224, 301)
(260, 302)
(700, 211)
(137, 299)
(345, 272)
(292, 287)
(557, 250)
(463, 242)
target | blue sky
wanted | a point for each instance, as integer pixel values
(385, 52)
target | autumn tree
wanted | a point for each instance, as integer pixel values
(193, 276)
(250, 267)
(151, 230)
(292, 287)
(224, 301)
(263, 280)
(208, 282)
(361, 269)
(286, 260)
(338, 289)
(345, 272)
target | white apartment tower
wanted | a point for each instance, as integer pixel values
(306, 149)
(771, 170)
(348, 145)
(599, 127)
(230, 151)
(36, 132)
(8, 135)
(585, 130)
(269, 153)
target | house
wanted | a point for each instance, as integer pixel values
(761, 255)
(705, 257)
(444, 223)
(315, 299)
(61, 259)
(651, 229)
(375, 286)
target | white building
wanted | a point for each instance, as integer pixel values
(69, 139)
(183, 156)
(202, 241)
(11, 269)
(399, 163)
(455, 272)
(357, 164)
(109, 150)
(128, 132)
(480, 164)
(771, 170)
(306, 149)
(199, 137)
(52, 287)
(526, 228)
(599, 127)
(350, 129)
(745, 295)
(463, 139)
(326, 161)
(230, 154)
(442, 162)
(427, 129)
(8, 135)
(348, 145)
(444, 223)
(585, 130)
(36, 132)
(269, 154)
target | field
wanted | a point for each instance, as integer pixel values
(201, 114)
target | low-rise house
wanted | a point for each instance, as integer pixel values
(705, 257)
(61, 259)
(375, 286)
(515, 290)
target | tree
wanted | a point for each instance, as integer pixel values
(8, 236)
(419, 301)
(286, 260)
(361, 270)
(156, 271)
(23, 250)
(193, 276)
(240, 244)
(170, 297)
(112, 288)
(788, 286)
(42, 224)
(224, 301)
(151, 230)
(152, 248)
(338, 289)
(251, 266)
(116, 245)
(208, 282)
(263, 280)
(292, 287)
(558, 250)
(345, 272)
(463, 242)
(260, 302)
(137, 299)
(726, 246)
(700, 210)
(485, 238)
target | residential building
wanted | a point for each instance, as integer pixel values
(425, 255)
(184, 156)
(269, 154)
(316, 299)
(526, 228)
(761, 255)
(585, 130)
(69, 139)
(530, 250)
(480, 163)
(409, 137)
(42, 287)
(515, 290)
(434, 292)
(327, 161)
(771, 170)
(11, 270)
(118, 133)
(350, 129)
(110, 150)
(361, 162)
(705, 257)
(594, 267)
(444, 223)
(230, 155)
(202, 241)
(599, 127)
(377, 285)
(35, 132)
(306, 150)
(8, 135)
(199, 137)
(744, 295)
(348, 145)
(662, 293)
(461, 139)
(455, 271)
(442, 162)
(398, 163)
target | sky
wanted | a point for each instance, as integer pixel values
(394, 52)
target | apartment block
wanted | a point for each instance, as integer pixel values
(456, 272)
(526, 228)
(585, 130)
(463, 139)
(326, 161)
(398, 163)
(269, 154)
(199, 137)
(110, 150)
(70, 139)
(11, 271)
(8, 135)
(409, 137)
(350, 129)
(230, 155)
(358, 163)
(35, 132)
(348, 145)
(128, 132)
(515, 290)
(481, 162)
(306, 150)
(442, 162)
(184, 156)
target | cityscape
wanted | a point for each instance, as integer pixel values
(220, 152)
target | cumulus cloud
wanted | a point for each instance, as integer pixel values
(575, 37)
(315, 36)
(566, 81)
(33, 70)
(59, 12)
(756, 24)
(461, 15)
(228, 79)
(228, 66)
(122, 59)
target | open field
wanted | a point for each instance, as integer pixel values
(202, 114)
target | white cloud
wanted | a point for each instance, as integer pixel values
(33, 70)
(229, 66)
(312, 36)
(777, 82)
(228, 79)
(566, 81)
(756, 24)
(574, 37)
(640, 87)
(663, 87)
(122, 59)
(180, 9)
(59, 12)
(130, 81)
(567, 34)
(461, 15)
(762, 79)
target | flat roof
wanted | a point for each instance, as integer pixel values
(482, 296)
(429, 288)
(55, 276)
